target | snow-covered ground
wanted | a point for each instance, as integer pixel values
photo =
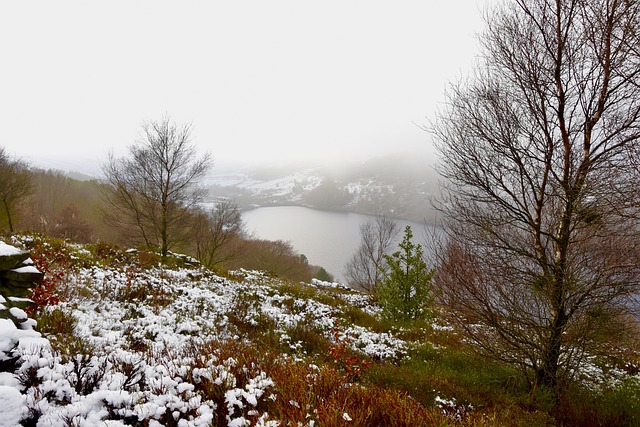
(152, 346)
(136, 359)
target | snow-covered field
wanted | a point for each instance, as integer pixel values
(137, 359)
(133, 343)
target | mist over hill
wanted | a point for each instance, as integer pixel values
(397, 185)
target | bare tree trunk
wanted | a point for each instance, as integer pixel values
(8, 214)
(363, 271)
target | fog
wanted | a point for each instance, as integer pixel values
(260, 82)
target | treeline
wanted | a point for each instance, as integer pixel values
(56, 205)
(52, 203)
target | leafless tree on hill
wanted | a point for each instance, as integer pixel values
(364, 269)
(152, 191)
(219, 233)
(540, 152)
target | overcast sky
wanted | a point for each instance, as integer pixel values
(259, 80)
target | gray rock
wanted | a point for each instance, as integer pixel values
(9, 261)
(23, 274)
(9, 288)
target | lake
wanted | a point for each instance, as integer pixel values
(327, 239)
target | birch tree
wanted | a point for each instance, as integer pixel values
(364, 268)
(152, 191)
(539, 150)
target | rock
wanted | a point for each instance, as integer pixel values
(11, 258)
(23, 274)
(20, 302)
(17, 276)
(10, 288)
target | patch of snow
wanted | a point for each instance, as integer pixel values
(8, 250)
(13, 405)
(18, 313)
(26, 269)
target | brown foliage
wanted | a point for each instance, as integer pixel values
(276, 257)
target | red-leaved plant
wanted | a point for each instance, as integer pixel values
(51, 262)
(352, 366)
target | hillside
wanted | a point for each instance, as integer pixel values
(396, 185)
(126, 341)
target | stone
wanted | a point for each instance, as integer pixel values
(11, 259)
(10, 288)
(17, 276)
(23, 274)
(20, 302)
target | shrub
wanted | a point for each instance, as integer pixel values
(353, 366)
(308, 338)
(56, 322)
(309, 394)
(610, 406)
(52, 262)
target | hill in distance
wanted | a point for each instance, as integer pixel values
(398, 185)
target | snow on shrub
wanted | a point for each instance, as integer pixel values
(146, 346)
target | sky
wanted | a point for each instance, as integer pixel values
(259, 81)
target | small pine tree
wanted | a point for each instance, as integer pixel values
(405, 291)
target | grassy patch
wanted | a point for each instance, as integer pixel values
(428, 373)
(306, 292)
(611, 406)
(322, 394)
(357, 316)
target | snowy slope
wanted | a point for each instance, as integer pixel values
(136, 358)
(145, 345)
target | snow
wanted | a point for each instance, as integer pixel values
(13, 406)
(26, 269)
(18, 313)
(108, 320)
(13, 339)
(145, 364)
(8, 250)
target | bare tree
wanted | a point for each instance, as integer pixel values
(152, 191)
(16, 184)
(218, 228)
(537, 149)
(364, 269)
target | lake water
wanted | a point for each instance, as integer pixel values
(327, 239)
